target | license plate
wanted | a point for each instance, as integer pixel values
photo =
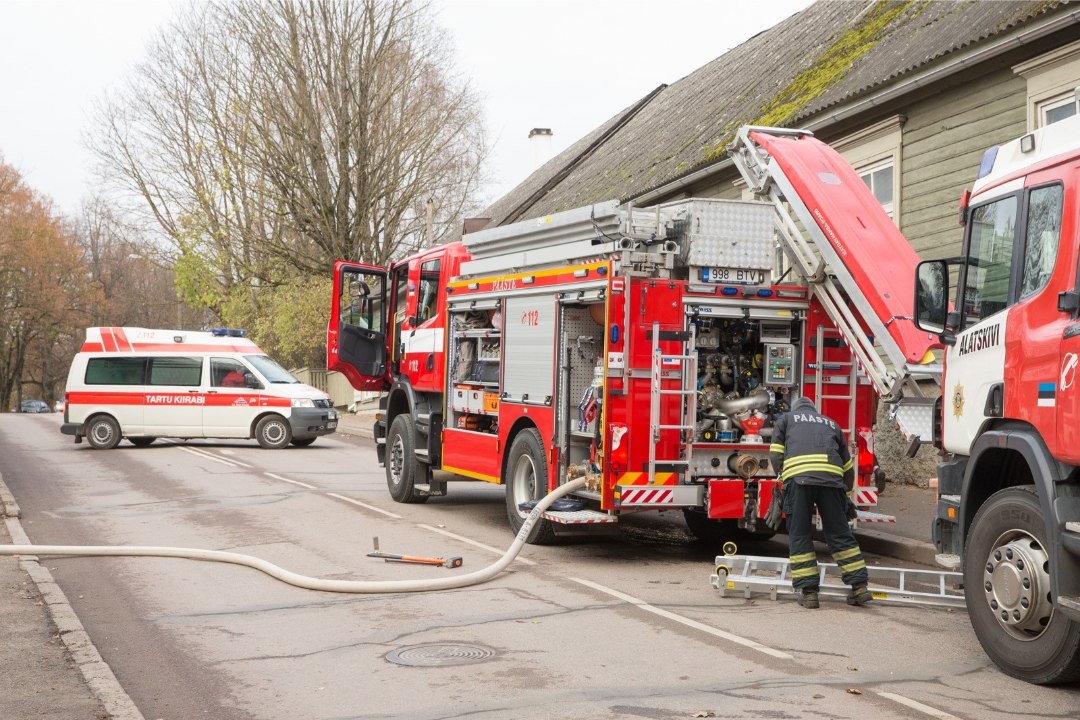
(734, 276)
(331, 425)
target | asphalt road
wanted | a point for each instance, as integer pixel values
(626, 627)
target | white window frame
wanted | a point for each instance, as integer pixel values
(1052, 78)
(876, 147)
(1046, 106)
(869, 170)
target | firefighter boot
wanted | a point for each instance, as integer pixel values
(809, 599)
(859, 595)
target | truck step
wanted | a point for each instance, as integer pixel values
(1069, 601)
(947, 560)
(581, 517)
(875, 517)
(1072, 527)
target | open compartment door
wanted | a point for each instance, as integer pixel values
(854, 247)
(356, 333)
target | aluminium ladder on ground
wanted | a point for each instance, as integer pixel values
(747, 574)
(686, 395)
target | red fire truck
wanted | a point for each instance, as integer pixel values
(649, 350)
(1009, 423)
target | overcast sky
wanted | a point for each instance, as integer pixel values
(567, 65)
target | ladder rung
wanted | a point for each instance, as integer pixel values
(674, 427)
(677, 392)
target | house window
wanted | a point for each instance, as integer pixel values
(1052, 79)
(879, 179)
(1051, 111)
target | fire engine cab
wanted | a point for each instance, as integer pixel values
(649, 350)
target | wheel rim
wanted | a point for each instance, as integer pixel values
(396, 461)
(274, 432)
(102, 433)
(1016, 584)
(524, 476)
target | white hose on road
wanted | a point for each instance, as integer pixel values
(303, 581)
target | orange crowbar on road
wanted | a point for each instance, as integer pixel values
(450, 562)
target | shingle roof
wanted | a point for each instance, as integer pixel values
(829, 54)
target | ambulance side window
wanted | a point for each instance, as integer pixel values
(226, 372)
(115, 371)
(182, 371)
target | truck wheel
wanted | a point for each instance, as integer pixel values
(141, 441)
(402, 467)
(1007, 576)
(103, 432)
(715, 532)
(527, 479)
(273, 432)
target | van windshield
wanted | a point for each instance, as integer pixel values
(270, 370)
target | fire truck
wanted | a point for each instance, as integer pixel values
(649, 350)
(1008, 423)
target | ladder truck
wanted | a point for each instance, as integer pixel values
(648, 350)
(1008, 418)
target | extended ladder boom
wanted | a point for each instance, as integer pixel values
(858, 263)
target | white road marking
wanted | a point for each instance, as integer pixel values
(364, 505)
(685, 620)
(480, 545)
(294, 482)
(208, 456)
(916, 705)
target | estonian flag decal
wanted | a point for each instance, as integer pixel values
(1046, 394)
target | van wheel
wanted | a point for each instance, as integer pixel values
(402, 467)
(527, 479)
(273, 432)
(302, 442)
(1007, 576)
(103, 432)
(141, 441)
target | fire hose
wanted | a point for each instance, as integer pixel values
(303, 581)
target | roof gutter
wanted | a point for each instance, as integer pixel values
(959, 62)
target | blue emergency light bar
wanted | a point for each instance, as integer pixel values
(227, 332)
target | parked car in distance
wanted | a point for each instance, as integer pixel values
(34, 406)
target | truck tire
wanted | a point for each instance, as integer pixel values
(402, 466)
(527, 479)
(273, 432)
(716, 532)
(103, 432)
(1007, 576)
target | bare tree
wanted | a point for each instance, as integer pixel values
(268, 138)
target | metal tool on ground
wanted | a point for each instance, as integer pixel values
(747, 574)
(450, 562)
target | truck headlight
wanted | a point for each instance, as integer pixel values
(303, 402)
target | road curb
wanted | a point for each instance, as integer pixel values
(98, 675)
(896, 546)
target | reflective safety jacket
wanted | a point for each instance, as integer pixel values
(810, 448)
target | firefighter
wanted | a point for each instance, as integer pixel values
(809, 454)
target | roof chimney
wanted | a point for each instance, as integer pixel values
(540, 140)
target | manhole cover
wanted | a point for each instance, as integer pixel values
(440, 655)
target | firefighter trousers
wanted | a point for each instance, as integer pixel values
(831, 502)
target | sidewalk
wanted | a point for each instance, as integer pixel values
(48, 665)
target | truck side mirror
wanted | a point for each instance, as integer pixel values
(932, 298)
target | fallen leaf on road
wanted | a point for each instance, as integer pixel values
(703, 713)
(853, 669)
(818, 696)
(854, 691)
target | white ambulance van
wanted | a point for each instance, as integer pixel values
(143, 384)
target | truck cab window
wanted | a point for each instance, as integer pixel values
(1042, 234)
(428, 299)
(989, 260)
(361, 302)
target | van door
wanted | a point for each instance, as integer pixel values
(174, 396)
(356, 334)
(232, 399)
